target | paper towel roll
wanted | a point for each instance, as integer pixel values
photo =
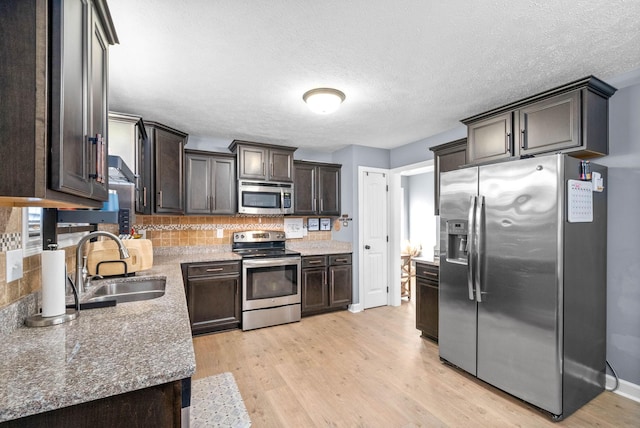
(53, 283)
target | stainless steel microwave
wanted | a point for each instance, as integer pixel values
(265, 197)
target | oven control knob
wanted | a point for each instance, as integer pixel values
(242, 236)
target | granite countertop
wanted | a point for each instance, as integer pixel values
(428, 260)
(319, 248)
(103, 352)
(113, 350)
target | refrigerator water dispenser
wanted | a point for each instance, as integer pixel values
(457, 242)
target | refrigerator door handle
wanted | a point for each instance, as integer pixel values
(479, 221)
(473, 202)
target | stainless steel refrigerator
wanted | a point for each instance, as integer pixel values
(523, 278)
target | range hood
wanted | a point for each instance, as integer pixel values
(122, 180)
(119, 171)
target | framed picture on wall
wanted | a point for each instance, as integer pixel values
(325, 224)
(313, 224)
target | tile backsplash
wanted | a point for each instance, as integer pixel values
(173, 231)
(163, 231)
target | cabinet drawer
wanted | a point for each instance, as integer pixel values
(208, 269)
(427, 271)
(314, 261)
(340, 259)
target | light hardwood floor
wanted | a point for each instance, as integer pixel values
(371, 369)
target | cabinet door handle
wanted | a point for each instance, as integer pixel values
(214, 269)
(272, 170)
(313, 206)
(321, 204)
(508, 142)
(144, 196)
(100, 159)
(263, 173)
(314, 262)
(522, 140)
(98, 143)
(429, 273)
(341, 260)
(159, 199)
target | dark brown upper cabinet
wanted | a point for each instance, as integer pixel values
(572, 119)
(317, 188)
(161, 169)
(210, 182)
(53, 114)
(447, 157)
(263, 162)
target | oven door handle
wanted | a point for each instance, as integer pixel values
(286, 261)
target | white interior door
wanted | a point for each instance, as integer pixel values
(375, 260)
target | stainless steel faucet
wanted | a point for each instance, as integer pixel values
(81, 271)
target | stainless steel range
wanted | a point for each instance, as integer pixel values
(270, 279)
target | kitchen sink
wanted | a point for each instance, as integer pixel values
(130, 290)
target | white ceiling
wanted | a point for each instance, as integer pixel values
(236, 69)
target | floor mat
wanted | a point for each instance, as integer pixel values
(216, 402)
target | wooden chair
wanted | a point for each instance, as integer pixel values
(406, 273)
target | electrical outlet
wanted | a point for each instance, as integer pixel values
(14, 265)
(220, 233)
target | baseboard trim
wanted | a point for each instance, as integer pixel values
(355, 307)
(625, 388)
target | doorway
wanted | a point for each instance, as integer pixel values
(413, 224)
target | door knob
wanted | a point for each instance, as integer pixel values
(367, 247)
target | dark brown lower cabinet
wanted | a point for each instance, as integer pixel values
(156, 406)
(214, 295)
(427, 299)
(326, 283)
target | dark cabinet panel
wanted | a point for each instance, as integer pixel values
(490, 139)
(210, 303)
(304, 201)
(263, 162)
(317, 188)
(447, 157)
(210, 183)
(155, 406)
(329, 190)
(169, 148)
(213, 292)
(572, 118)
(340, 289)
(198, 184)
(252, 162)
(224, 186)
(54, 90)
(314, 289)
(161, 168)
(326, 283)
(427, 299)
(550, 125)
(281, 164)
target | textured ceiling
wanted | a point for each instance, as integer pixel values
(236, 69)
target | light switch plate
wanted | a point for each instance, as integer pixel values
(14, 265)
(220, 233)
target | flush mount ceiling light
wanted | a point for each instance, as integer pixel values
(323, 100)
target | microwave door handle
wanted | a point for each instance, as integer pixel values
(282, 200)
(473, 201)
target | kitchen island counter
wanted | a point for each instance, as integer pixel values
(103, 353)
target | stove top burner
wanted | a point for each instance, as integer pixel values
(261, 244)
(263, 253)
